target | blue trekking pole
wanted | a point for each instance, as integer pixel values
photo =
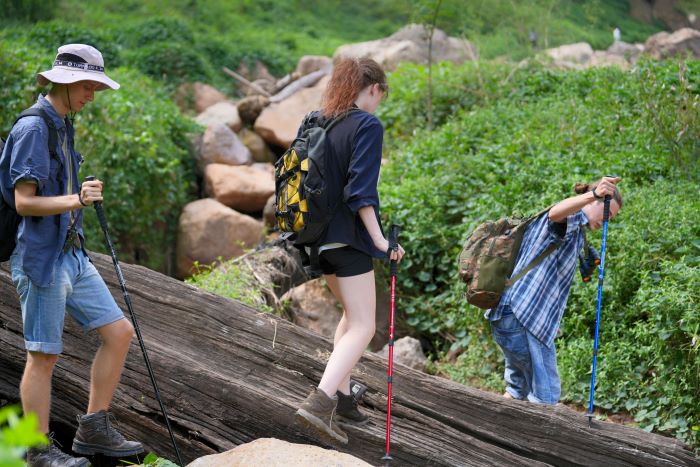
(601, 274)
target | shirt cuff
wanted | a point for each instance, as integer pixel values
(357, 204)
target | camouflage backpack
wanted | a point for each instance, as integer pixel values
(488, 258)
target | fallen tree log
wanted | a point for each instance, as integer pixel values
(229, 375)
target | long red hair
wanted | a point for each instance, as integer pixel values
(350, 76)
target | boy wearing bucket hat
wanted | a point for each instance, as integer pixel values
(50, 267)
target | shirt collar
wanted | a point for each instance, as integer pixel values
(46, 105)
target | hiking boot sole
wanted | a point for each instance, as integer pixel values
(349, 421)
(91, 449)
(312, 421)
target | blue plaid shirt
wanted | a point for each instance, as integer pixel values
(538, 299)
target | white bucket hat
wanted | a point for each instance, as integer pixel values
(77, 62)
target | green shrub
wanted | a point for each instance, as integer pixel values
(170, 63)
(137, 142)
(17, 434)
(231, 280)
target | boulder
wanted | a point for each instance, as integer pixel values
(571, 55)
(310, 63)
(407, 351)
(269, 212)
(629, 52)
(256, 145)
(249, 108)
(197, 96)
(275, 452)
(602, 58)
(220, 145)
(313, 306)
(224, 112)
(208, 230)
(410, 44)
(242, 188)
(261, 83)
(665, 45)
(279, 122)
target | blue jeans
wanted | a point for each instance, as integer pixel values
(78, 289)
(531, 367)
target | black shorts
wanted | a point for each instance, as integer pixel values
(345, 262)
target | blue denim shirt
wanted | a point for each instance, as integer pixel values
(26, 156)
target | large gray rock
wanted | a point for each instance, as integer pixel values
(279, 122)
(630, 52)
(682, 42)
(272, 452)
(208, 230)
(410, 44)
(601, 58)
(224, 112)
(269, 212)
(571, 55)
(258, 149)
(243, 188)
(220, 145)
(310, 63)
(197, 97)
(407, 351)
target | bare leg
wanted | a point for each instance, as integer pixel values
(358, 296)
(342, 328)
(35, 387)
(108, 363)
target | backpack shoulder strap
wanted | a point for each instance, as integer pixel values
(330, 123)
(53, 132)
(547, 251)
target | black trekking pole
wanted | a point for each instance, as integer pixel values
(601, 275)
(103, 224)
(393, 246)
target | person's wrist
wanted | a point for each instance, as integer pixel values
(595, 195)
(80, 200)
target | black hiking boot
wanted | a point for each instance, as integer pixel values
(347, 410)
(318, 411)
(51, 456)
(96, 435)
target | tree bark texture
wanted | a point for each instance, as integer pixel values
(229, 374)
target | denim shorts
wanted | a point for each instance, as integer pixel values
(78, 289)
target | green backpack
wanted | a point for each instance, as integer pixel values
(488, 258)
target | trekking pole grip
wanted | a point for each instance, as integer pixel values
(98, 207)
(606, 208)
(393, 245)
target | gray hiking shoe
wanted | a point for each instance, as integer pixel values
(318, 411)
(348, 412)
(96, 435)
(51, 456)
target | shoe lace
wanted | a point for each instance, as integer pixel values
(56, 452)
(112, 430)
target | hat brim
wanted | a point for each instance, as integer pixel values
(64, 76)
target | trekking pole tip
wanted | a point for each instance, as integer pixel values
(387, 459)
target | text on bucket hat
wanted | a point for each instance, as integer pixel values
(77, 62)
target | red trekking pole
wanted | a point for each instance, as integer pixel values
(393, 246)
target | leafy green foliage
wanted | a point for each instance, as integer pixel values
(17, 434)
(519, 144)
(231, 280)
(152, 460)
